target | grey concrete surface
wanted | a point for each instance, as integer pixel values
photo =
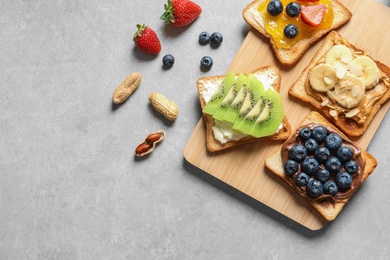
(70, 187)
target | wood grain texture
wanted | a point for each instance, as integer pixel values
(243, 167)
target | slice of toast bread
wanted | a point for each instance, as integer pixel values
(268, 74)
(327, 208)
(292, 55)
(368, 107)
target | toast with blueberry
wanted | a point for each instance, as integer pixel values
(293, 28)
(345, 84)
(321, 165)
(220, 134)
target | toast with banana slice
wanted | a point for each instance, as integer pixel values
(345, 84)
(236, 112)
(325, 187)
(290, 50)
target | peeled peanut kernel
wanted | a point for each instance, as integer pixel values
(150, 143)
(143, 149)
(167, 108)
(126, 88)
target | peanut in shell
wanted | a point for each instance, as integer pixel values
(126, 88)
(167, 108)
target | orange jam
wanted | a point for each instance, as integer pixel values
(274, 25)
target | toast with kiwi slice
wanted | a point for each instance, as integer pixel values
(345, 84)
(289, 55)
(240, 109)
(329, 194)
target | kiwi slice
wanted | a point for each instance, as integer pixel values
(230, 96)
(214, 103)
(265, 118)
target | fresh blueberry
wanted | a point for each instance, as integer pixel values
(291, 167)
(323, 175)
(206, 62)
(333, 165)
(344, 153)
(322, 154)
(305, 133)
(311, 145)
(293, 9)
(310, 165)
(168, 60)
(343, 180)
(275, 8)
(333, 141)
(330, 187)
(216, 38)
(301, 179)
(314, 188)
(351, 167)
(290, 31)
(204, 38)
(319, 133)
(298, 152)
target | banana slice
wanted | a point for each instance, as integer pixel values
(348, 92)
(339, 54)
(366, 70)
(323, 78)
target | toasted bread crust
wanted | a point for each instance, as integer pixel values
(289, 57)
(328, 210)
(347, 125)
(214, 145)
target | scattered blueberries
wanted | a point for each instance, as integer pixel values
(293, 9)
(204, 38)
(291, 167)
(206, 62)
(168, 61)
(275, 8)
(301, 179)
(216, 38)
(320, 162)
(290, 31)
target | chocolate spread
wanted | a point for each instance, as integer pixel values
(343, 194)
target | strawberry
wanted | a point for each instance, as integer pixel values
(147, 40)
(312, 14)
(180, 13)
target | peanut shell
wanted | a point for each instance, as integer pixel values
(167, 108)
(126, 88)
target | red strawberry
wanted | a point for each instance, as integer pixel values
(312, 14)
(180, 13)
(147, 40)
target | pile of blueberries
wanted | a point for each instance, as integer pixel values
(321, 162)
(215, 39)
(274, 8)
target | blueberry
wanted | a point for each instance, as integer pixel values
(333, 165)
(322, 154)
(298, 152)
(216, 38)
(290, 31)
(351, 167)
(343, 180)
(204, 38)
(291, 167)
(330, 187)
(305, 133)
(301, 179)
(319, 133)
(311, 145)
(344, 153)
(333, 141)
(293, 9)
(168, 60)
(206, 62)
(310, 165)
(323, 175)
(275, 8)
(314, 188)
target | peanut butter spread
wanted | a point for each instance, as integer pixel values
(360, 112)
(342, 195)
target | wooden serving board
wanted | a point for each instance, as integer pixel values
(243, 167)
